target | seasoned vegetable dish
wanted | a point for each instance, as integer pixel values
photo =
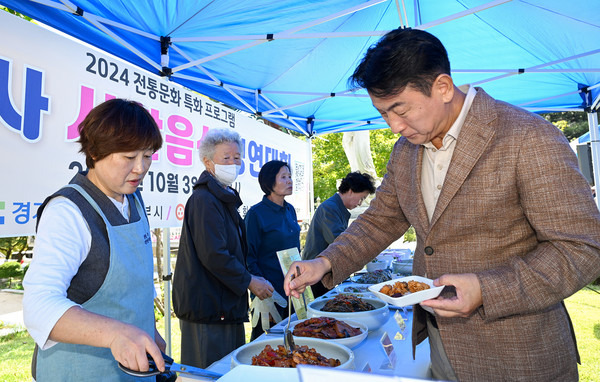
(302, 355)
(375, 277)
(325, 327)
(347, 303)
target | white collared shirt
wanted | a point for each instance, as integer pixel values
(436, 161)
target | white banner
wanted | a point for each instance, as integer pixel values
(48, 83)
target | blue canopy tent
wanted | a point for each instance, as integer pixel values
(288, 61)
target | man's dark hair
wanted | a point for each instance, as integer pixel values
(357, 182)
(115, 126)
(268, 175)
(403, 57)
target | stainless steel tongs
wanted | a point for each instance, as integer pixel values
(288, 337)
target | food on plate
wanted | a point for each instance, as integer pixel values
(325, 327)
(375, 277)
(401, 288)
(302, 355)
(347, 303)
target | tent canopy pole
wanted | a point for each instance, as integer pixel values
(167, 286)
(595, 148)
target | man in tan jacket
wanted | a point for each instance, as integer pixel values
(501, 213)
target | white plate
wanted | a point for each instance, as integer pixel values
(349, 341)
(243, 355)
(411, 298)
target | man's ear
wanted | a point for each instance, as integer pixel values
(444, 85)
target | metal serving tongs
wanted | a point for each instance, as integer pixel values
(288, 338)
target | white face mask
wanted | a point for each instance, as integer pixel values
(226, 173)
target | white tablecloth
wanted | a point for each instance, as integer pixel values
(369, 351)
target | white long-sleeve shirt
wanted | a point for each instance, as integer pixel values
(62, 244)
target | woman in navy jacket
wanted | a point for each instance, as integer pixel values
(272, 226)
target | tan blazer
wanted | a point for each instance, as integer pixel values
(515, 210)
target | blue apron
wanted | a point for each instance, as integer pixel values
(126, 295)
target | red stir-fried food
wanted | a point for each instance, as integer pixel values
(347, 303)
(401, 288)
(301, 356)
(325, 327)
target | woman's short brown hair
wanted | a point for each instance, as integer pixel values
(114, 126)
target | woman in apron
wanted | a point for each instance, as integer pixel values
(89, 290)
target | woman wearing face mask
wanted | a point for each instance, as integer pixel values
(210, 281)
(271, 226)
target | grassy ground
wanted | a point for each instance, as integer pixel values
(584, 308)
(15, 357)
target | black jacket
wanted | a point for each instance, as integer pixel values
(211, 280)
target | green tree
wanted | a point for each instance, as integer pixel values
(573, 124)
(16, 246)
(10, 270)
(15, 13)
(382, 143)
(330, 162)
(410, 235)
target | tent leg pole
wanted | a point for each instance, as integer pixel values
(311, 189)
(167, 286)
(595, 148)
